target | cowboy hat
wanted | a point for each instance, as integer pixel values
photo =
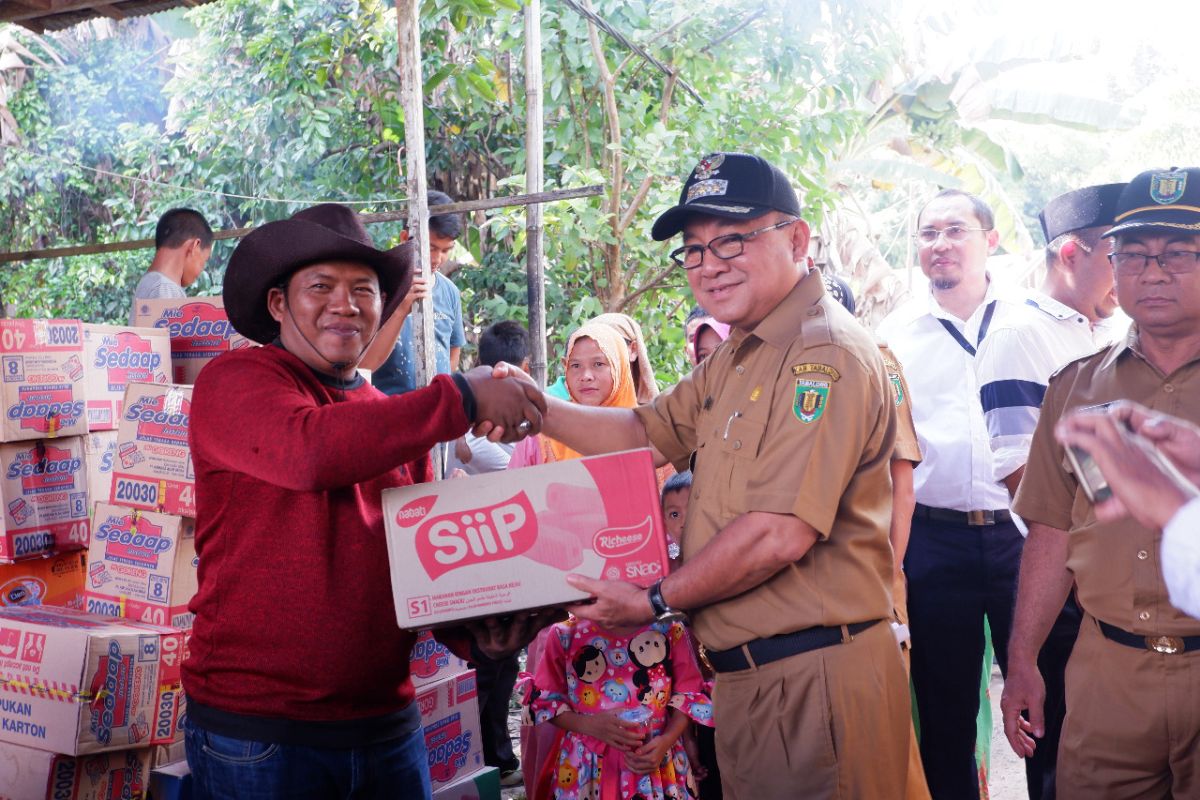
(268, 255)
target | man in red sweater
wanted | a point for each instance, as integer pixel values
(297, 681)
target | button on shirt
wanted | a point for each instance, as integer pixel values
(1117, 579)
(796, 417)
(1014, 366)
(957, 470)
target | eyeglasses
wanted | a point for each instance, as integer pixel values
(724, 247)
(927, 237)
(1172, 262)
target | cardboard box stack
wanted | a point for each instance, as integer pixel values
(116, 357)
(199, 330)
(43, 484)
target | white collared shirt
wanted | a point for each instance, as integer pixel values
(957, 468)
(1181, 558)
(1014, 366)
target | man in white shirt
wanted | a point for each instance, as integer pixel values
(964, 550)
(1062, 322)
(182, 244)
(1143, 488)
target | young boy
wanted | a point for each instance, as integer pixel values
(675, 495)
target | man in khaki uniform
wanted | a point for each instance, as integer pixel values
(1132, 728)
(787, 568)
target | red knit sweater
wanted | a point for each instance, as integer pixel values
(294, 616)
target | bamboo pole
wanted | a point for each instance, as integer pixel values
(412, 100)
(535, 266)
(382, 216)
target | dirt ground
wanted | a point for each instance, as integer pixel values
(1006, 782)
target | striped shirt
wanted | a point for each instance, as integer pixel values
(1014, 366)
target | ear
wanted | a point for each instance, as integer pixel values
(800, 238)
(276, 303)
(1068, 253)
(993, 240)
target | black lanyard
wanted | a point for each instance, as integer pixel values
(983, 329)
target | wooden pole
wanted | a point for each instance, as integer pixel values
(382, 216)
(412, 100)
(535, 266)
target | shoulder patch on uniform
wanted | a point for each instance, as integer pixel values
(811, 400)
(823, 369)
(897, 386)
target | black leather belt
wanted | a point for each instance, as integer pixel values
(1168, 645)
(951, 517)
(764, 651)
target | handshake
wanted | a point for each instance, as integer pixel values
(509, 405)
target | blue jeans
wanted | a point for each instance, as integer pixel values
(225, 768)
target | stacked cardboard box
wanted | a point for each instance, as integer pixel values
(41, 463)
(199, 330)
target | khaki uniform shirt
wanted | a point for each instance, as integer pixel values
(1116, 567)
(907, 446)
(795, 417)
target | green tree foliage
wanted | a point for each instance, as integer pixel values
(298, 99)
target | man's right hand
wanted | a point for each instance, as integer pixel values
(1024, 690)
(418, 291)
(502, 404)
(1177, 439)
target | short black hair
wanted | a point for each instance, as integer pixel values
(695, 313)
(983, 212)
(448, 226)
(1089, 238)
(506, 340)
(677, 483)
(178, 225)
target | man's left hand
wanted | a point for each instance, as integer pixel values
(616, 604)
(500, 637)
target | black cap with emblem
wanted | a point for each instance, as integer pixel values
(1160, 198)
(1090, 207)
(729, 185)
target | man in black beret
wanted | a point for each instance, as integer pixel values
(1132, 727)
(1063, 321)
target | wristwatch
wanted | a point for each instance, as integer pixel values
(662, 611)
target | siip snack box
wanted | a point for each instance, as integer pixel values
(55, 580)
(30, 774)
(503, 542)
(115, 357)
(43, 486)
(142, 565)
(43, 386)
(153, 470)
(450, 718)
(78, 683)
(199, 329)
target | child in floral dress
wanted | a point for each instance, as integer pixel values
(594, 683)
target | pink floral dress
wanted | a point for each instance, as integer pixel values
(589, 670)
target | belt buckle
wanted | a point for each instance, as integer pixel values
(981, 518)
(1167, 645)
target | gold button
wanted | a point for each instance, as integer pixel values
(1168, 388)
(737, 444)
(1143, 555)
(740, 369)
(1145, 615)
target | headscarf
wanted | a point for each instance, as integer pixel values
(719, 328)
(647, 387)
(612, 345)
